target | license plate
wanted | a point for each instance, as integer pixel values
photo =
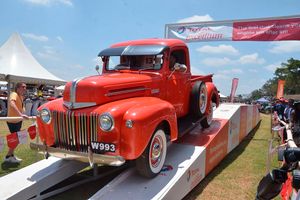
(100, 147)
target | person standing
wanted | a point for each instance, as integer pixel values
(15, 109)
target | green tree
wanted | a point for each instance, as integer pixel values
(290, 72)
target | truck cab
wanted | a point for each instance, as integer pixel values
(131, 110)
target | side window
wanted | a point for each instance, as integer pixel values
(176, 56)
(180, 56)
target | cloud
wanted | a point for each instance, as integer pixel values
(221, 76)
(253, 70)
(196, 70)
(59, 38)
(251, 59)
(32, 36)
(232, 71)
(50, 2)
(196, 18)
(285, 47)
(272, 67)
(216, 62)
(48, 53)
(221, 49)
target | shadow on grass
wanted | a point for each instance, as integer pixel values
(231, 157)
(8, 165)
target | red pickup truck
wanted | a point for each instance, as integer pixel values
(145, 97)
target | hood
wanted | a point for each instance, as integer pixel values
(95, 90)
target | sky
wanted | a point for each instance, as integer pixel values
(65, 36)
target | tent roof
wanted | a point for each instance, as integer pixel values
(262, 100)
(18, 65)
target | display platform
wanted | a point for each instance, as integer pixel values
(188, 161)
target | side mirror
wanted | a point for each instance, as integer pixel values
(180, 67)
(97, 69)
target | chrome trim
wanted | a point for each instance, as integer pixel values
(155, 91)
(73, 89)
(125, 91)
(112, 120)
(74, 105)
(80, 156)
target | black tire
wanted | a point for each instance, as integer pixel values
(198, 99)
(147, 164)
(206, 122)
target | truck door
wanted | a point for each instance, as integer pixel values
(178, 83)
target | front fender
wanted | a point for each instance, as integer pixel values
(146, 116)
(212, 94)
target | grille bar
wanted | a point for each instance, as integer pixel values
(74, 131)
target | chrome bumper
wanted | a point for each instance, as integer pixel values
(89, 157)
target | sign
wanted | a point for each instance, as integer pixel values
(267, 29)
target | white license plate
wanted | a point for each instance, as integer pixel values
(100, 147)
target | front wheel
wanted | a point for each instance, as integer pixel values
(153, 158)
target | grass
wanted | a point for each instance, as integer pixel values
(23, 151)
(236, 177)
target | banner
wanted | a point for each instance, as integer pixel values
(267, 29)
(12, 140)
(234, 85)
(193, 33)
(280, 88)
(23, 136)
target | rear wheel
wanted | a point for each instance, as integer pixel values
(206, 122)
(198, 99)
(153, 158)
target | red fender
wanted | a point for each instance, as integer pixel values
(146, 116)
(212, 92)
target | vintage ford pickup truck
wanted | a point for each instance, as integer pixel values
(131, 110)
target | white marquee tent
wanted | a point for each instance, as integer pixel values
(18, 65)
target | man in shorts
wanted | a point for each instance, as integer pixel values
(15, 109)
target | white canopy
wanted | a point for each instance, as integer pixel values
(18, 65)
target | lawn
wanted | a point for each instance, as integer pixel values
(236, 177)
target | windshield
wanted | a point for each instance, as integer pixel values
(149, 62)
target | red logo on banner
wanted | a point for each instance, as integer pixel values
(267, 30)
(280, 89)
(32, 132)
(12, 140)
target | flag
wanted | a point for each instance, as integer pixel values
(32, 131)
(1, 143)
(280, 88)
(12, 140)
(234, 85)
(23, 136)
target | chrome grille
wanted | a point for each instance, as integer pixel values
(74, 131)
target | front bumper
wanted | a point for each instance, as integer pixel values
(89, 157)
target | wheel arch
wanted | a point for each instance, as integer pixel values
(146, 117)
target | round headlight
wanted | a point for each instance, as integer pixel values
(106, 122)
(45, 116)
